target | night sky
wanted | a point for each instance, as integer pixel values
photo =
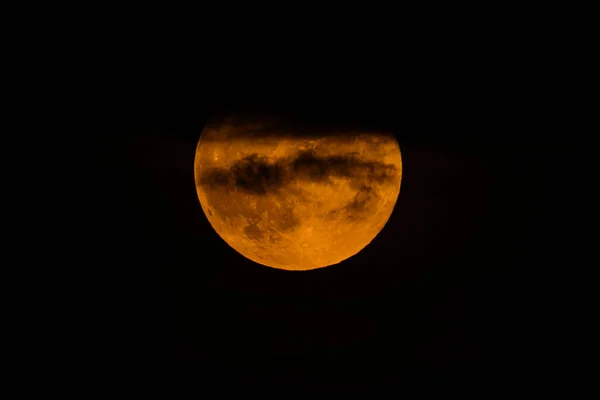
(429, 301)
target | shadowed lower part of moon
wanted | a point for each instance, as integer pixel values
(296, 202)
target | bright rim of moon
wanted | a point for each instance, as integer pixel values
(296, 202)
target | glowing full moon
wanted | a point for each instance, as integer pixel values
(296, 202)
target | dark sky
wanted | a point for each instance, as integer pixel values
(428, 301)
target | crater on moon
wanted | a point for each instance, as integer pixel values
(296, 202)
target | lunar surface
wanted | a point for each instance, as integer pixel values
(296, 201)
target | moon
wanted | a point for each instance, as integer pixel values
(293, 200)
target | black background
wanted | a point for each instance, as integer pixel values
(437, 298)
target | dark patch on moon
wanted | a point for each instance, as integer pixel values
(365, 195)
(255, 175)
(253, 232)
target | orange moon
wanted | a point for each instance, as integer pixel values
(296, 202)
